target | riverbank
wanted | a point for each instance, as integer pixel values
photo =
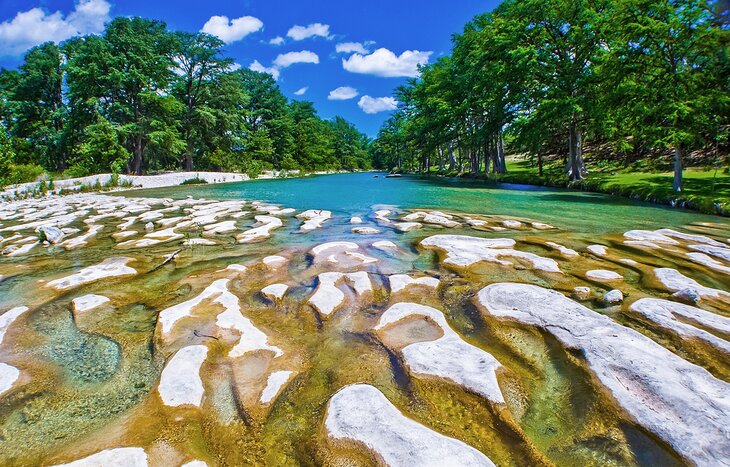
(110, 182)
(706, 191)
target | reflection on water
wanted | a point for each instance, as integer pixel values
(91, 377)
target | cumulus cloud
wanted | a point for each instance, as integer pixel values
(299, 33)
(232, 30)
(33, 27)
(385, 63)
(350, 47)
(290, 58)
(342, 93)
(234, 66)
(301, 91)
(278, 40)
(257, 66)
(373, 105)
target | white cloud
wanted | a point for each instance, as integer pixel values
(385, 63)
(33, 27)
(299, 33)
(290, 58)
(234, 66)
(278, 40)
(373, 105)
(342, 93)
(350, 47)
(301, 91)
(231, 30)
(256, 66)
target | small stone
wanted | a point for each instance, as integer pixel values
(275, 292)
(613, 297)
(50, 234)
(687, 295)
(356, 220)
(149, 227)
(365, 230)
(582, 292)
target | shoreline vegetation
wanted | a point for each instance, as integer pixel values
(619, 96)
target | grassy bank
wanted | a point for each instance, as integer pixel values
(705, 190)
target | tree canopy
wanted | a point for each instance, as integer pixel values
(141, 98)
(645, 79)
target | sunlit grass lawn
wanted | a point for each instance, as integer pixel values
(703, 187)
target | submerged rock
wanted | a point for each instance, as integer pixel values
(407, 226)
(681, 403)
(180, 383)
(362, 414)
(328, 297)
(582, 293)
(262, 232)
(384, 245)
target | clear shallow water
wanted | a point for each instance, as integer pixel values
(91, 380)
(356, 194)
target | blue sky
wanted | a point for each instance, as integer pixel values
(386, 40)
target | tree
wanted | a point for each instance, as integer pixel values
(200, 63)
(38, 107)
(660, 59)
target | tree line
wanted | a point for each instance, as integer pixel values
(637, 79)
(141, 98)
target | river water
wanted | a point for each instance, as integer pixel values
(89, 381)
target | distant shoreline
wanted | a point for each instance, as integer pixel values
(105, 182)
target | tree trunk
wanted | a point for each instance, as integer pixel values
(539, 164)
(138, 150)
(452, 158)
(576, 166)
(501, 165)
(441, 158)
(677, 185)
(188, 161)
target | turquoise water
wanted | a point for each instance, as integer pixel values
(357, 194)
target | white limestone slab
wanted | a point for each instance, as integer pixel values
(465, 251)
(7, 319)
(603, 275)
(117, 457)
(361, 413)
(448, 357)
(8, 376)
(180, 383)
(675, 281)
(681, 403)
(275, 292)
(400, 282)
(274, 384)
(669, 315)
(88, 302)
(110, 267)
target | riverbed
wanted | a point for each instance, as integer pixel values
(345, 319)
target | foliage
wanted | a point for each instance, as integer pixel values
(194, 181)
(643, 80)
(140, 98)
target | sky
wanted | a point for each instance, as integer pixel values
(346, 56)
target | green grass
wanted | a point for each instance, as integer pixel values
(706, 190)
